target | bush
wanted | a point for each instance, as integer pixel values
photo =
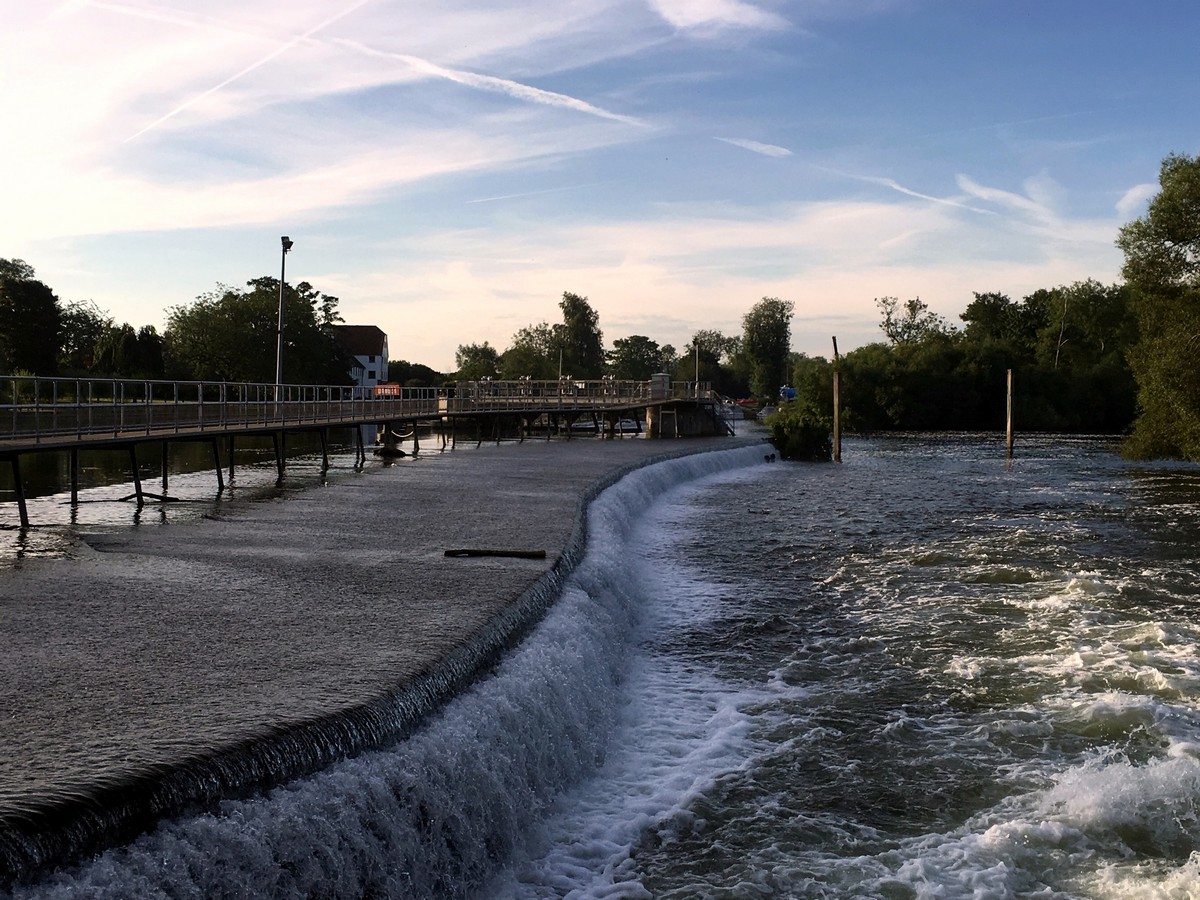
(800, 433)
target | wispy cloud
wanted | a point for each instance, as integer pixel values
(556, 190)
(686, 14)
(756, 147)
(1133, 201)
(281, 49)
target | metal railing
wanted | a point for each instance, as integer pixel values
(36, 410)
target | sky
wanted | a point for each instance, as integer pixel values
(448, 168)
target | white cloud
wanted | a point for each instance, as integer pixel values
(685, 14)
(1133, 201)
(756, 147)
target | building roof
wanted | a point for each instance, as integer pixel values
(361, 340)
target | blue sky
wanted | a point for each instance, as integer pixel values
(449, 167)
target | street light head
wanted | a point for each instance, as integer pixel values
(287, 243)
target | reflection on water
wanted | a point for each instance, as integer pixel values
(107, 497)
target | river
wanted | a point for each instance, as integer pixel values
(920, 673)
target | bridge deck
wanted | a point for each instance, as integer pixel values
(49, 414)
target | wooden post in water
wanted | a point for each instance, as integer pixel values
(19, 490)
(1009, 426)
(74, 476)
(837, 406)
(216, 450)
(137, 476)
(165, 445)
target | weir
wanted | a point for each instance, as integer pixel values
(353, 659)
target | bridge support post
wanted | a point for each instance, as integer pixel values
(321, 433)
(74, 466)
(19, 489)
(416, 439)
(231, 457)
(277, 442)
(216, 450)
(165, 445)
(137, 476)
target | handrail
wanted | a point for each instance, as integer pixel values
(35, 409)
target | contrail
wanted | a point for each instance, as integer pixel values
(250, 68)
(497, 85)
(896, 186)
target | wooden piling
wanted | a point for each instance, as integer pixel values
(324, 450)
(837, 405)
(1009, 427)
(19, 489)
(137, 476)
(165, 457)
(216, 452)
(231, 457)
(277, 443)
(74, 466)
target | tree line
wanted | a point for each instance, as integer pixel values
(228, 334)
(1086, 357)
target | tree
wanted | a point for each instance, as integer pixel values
(579, 337)
(535, 352)
(16, 269)
(635, 358)
(476, 361)
(909, 324)
(1162, 271)
(30, 321)
(766, 344)
(127, 353)
(83, 325)
(409, 374)
(230, 334)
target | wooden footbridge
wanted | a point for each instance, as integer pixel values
(53, 415)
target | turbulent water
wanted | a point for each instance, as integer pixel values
(920, 673)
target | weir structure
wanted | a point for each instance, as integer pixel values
(70, 415)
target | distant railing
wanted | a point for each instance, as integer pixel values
(34, 410)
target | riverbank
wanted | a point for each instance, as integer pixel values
(169, 667)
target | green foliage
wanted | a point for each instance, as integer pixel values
(83, 325)
(415, 374)
(1066, 347)
(230, 335)
(30, 321)
(766, 344)
(635, 358)
(798, 432)
(126, 353)
(579, 337)
(1162, 270)
(16, 270)
(715, 354)
(911, 323)
(476, 361)
(534, 352)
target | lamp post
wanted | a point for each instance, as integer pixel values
(287, 245)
